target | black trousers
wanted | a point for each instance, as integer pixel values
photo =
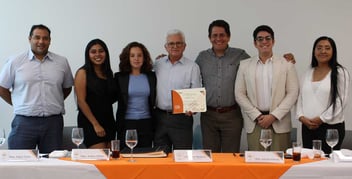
(173, 130)
(144, 129)
(320, 134)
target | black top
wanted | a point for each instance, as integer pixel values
(100, 97)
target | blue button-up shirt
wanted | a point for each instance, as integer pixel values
(37, 86)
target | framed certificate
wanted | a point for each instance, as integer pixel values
(184, 100)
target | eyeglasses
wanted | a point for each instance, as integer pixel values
(173, 44)
(261, 39)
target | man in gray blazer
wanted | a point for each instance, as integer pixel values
(266, 89)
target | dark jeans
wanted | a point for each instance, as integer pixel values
(30, 132)
(320, 134)
(173, 130)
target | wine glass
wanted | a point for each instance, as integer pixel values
(265, 138)
(332, 138)
(131, 141)
(77, 136)
(2, 137)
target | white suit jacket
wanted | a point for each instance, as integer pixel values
(284, 93)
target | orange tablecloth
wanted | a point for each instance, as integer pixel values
(224, 165)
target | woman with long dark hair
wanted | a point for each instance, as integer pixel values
(323, 95)
(95, 90)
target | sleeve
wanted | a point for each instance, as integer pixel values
(68, 78)
(292, 89)
(299, 111)
(117, 95)
(343, 88)
(196, 77)
(241, 94)
(244, 55)
(7, 75)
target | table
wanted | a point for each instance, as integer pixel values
(225, 165)
(320, 169)
(48, 168)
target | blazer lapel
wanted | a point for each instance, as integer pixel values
(276, 74)
(124, 80)
(252, 72)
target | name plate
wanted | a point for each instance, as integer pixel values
(90, 154)
(19, 155)
(264, 157)
(192, 156)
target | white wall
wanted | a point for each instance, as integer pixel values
(75, 22)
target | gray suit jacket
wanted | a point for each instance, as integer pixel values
(285, 88)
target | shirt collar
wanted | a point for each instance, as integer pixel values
(31, 56)
(211, 51)
(270, 60)
(182, 60)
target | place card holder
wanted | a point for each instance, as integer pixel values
(264, 157)
(19, 155)
(90, 154)
(192, 156)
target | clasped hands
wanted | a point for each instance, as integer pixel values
(311, 124)
(265, 121)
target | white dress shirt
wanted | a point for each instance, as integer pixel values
(263, 80)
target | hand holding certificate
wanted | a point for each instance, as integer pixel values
(184, 100)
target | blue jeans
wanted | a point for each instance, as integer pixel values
(31, 132)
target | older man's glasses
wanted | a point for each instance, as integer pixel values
(175, 44)
(261, 39)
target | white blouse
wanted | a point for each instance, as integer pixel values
(313, 100)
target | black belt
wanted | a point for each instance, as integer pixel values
(54, 115)
(265, 112)
(164, 111)
(222, 109)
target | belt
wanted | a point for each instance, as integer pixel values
(223, 109)
(265, 112)
(54, 115)
(165, 111)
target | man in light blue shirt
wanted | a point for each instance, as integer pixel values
(36, 83)
(174, 72)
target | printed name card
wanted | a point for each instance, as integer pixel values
(19, 155)
(264, 157)
(192, 156)
(90, 154)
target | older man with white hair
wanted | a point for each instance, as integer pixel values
(174, 71)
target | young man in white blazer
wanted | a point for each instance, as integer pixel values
(266, 89)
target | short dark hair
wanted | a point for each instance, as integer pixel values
(39, 26)
(125, 65)
(219, 23)
(265, 28)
